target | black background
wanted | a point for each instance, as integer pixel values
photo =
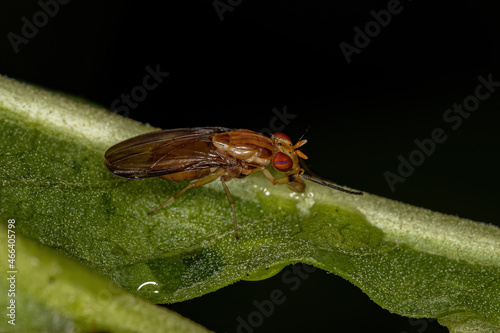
(271, 54)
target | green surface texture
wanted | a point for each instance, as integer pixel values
(409, 260)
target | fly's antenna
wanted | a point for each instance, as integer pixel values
(307, 130)
(338, 188)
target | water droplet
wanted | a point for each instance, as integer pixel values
(149, 282)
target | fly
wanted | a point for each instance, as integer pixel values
(204, 154)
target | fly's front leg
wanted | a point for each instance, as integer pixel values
(279, 181)
(199, 182)
(223, 180)
(294, 182)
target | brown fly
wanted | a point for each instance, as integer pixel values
(207, 153)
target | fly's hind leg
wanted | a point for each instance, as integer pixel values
(223, 180)
(198, 183)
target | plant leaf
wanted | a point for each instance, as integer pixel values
(56, 294)
(409, 260)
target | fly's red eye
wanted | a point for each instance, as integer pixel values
(282, 136)
(282, 162)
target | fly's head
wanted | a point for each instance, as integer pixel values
(286, 155)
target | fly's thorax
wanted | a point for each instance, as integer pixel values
(246, 146)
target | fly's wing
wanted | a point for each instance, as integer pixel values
(164, 152)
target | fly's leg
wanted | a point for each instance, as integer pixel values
(279, 181)
(223, 180)
(199, 182)
(294, 182)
